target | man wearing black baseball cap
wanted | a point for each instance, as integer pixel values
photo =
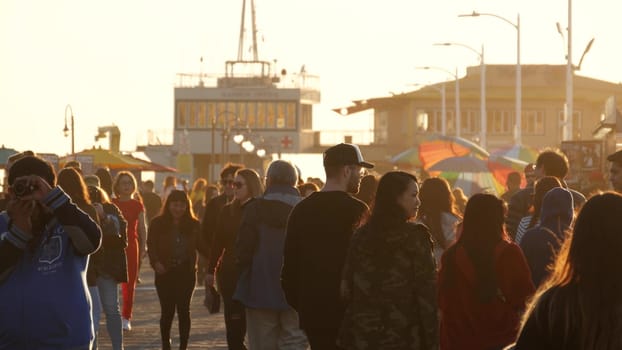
(615, 171)
(318, 236)
(45, 241)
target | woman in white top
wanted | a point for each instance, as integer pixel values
(438, 213)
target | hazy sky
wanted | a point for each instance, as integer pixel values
(115, 61)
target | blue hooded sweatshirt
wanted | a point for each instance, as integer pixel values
(44, 300)
(542, 243)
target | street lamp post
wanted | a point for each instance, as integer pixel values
(238, 136)
(482, 102)
(66, 129)
(518, 116)
(457, 97)
(570, 68)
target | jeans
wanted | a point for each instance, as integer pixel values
(274, 329)
(109, 296)
(234, 311)
(96, 311)
(235, 323)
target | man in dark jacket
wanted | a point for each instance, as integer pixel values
(212, 210)
(45, 241)
(270, 322)
(549, 163)
(318, 236)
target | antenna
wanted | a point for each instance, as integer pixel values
(241, 40)
(252, 48)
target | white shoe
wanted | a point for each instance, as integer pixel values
(127, 326)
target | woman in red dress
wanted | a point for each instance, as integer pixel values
(125, 190)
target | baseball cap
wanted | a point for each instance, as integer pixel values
(615, 157)
(345, 154)
(32, 165)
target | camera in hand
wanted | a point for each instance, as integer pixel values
(23, 187)
(94, 194)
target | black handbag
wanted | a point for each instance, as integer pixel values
(212, 300)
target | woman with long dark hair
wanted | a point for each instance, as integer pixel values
(484, 281)
(71, 181)
(389, 275)
(173, 241)
(580, 305)
(247, 185)
(438, 213)
(109, 263)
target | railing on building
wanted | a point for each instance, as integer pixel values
(301, 81)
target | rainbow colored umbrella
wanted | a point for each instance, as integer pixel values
(465, 164)
(520, 152)
(435, 148)
(409, 157)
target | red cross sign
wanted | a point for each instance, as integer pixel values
(286, 141)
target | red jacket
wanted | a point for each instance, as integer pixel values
(467, 323)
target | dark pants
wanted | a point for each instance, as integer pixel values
(322, 338)
(235, 312)
(175, 288)
(235, 322)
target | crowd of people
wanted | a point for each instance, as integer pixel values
(358, 261)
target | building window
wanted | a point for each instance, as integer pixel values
(307, 117)
(202, 115)
(280, 115)
(451, 122)
(181, 115)
(192, 115)
(251, 117)
(290, 115)
(381, 128)
(221, 115)
(261, 115)
(469, 122)
(270, 115)
(211, 112)
(532, 123)
(435, 121)
(499, 122)
(577, 124)
(242, 118)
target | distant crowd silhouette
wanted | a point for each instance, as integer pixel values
(361, 260)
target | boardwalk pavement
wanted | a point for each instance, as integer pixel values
(208, 330)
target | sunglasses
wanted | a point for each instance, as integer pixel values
(226, 182)
(238, 184)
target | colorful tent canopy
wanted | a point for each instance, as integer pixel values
(99, 157)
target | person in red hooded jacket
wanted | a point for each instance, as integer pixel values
(484, 281)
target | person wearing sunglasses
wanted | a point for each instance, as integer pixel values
(246, 186)
(210, 215)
